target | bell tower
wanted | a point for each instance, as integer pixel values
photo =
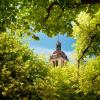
(58, 45)
(58, 58)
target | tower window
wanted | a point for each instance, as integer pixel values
(56, 62)
(53, 63)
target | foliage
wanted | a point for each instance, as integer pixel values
(8, 10)
(23, 76)
(90, 77)
(16, 61)
(49, 16)
(86, 31)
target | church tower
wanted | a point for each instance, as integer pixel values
(58, 58)
(58, 45)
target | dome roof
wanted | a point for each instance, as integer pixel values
(57, 54)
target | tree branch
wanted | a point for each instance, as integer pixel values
(85, 50)
(50, 8)
(69, 5)
(91, 40)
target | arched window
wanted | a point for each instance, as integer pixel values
(56, 62)
(53, 63)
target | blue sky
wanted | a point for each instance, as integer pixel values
(47, 45)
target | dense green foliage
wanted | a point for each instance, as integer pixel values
(87, 34)
(24, 77)
(49, 16)
(18, 68)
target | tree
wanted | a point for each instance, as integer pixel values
(52, 17)
(86, 31)
(49, 16)
(23, 76)
(19, 68)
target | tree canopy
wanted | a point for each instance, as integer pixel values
(23, 76)
(74, 18)
(49, 16)
(87, 35)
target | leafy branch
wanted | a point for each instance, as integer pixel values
(51, 7)
(69, 5)
(86, 49)
(88, 46)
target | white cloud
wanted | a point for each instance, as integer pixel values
(48, 52)
(41, 50)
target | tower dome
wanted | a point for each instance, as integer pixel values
(58, 57)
